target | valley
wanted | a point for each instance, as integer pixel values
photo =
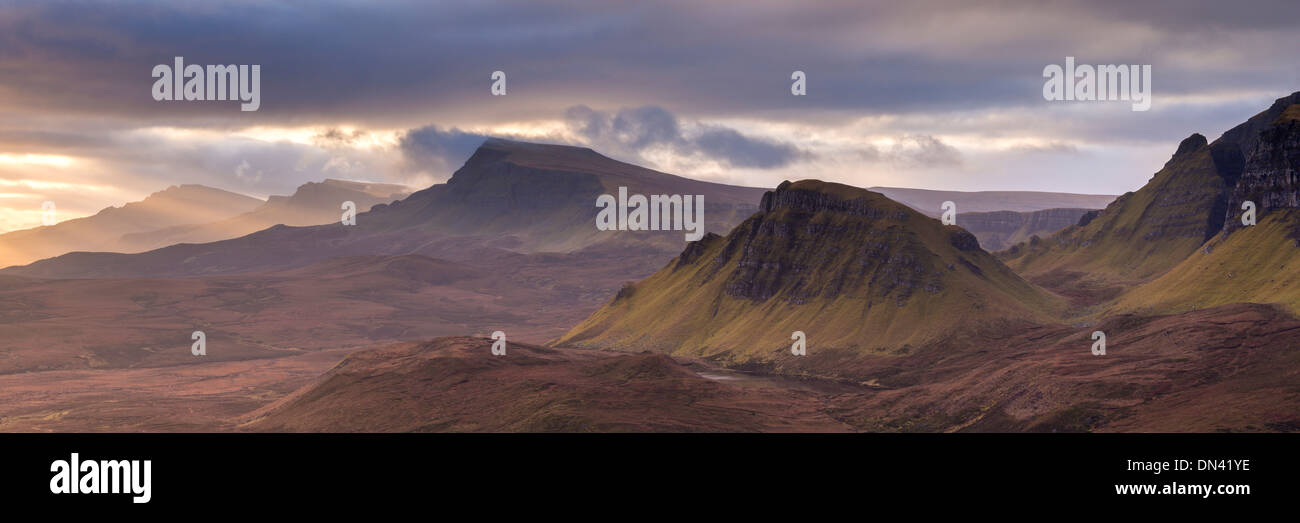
(911, 325)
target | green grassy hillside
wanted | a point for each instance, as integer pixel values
(1141, 234)
(1259, 264)
(852, 269)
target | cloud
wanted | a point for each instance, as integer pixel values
(925, 150)
(741, 151)
(638, 131)
(321, 62)
(245, 172)
(914, 150)
(435, 151)
(688, 86)
(334, 136)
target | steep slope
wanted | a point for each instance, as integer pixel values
(313, 203)
(1258, 264)
(176, 205)
(515, 196)
(1241, 263)
(1145, 233)
(854, 270)
(1271, 176)
(997, 230)
(541, 197)
(1191, 199)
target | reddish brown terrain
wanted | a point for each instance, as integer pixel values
(1205, 371)
(457, 384)
(383, 327)
(338, 303)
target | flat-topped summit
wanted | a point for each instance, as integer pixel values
(817, 195)
(868, 274)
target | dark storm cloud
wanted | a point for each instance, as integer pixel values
(405, 62)
(742, 151)
(430, 146)
(627, 134)
(632, 132)
(75, 80)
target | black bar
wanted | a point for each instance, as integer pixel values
(550, 472)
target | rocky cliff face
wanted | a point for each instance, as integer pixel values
(808, 200)
(1271, 177)
(1246, 135)
(1187, 206)
(999, 230)
(785, 250)
(1144, 233)
(856, 270)
(1195, 196)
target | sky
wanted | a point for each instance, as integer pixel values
(936, 94)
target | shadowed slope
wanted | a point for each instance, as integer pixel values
(1191, 199)
(515, 196)
(853, 269)
(313, 203)
(174, 206)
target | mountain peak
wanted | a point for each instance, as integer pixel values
(817, 195)
(1246, 134)
(187, 190)
(1191, 143)
(816, 253)
(532, 152)
(1193, 197)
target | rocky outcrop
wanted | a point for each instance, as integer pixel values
(1194, 197)
(813, 201)
(1001, 229)
(1246, 135)
(1088, 217)
(784, 250)
(1271, 177)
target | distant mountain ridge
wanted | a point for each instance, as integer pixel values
(507, 197)
(998, 230)
(313, 203)
(928, 201)
(175, 206)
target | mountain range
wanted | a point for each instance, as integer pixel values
(103, 231)
(314, 203)
(509, 197)
(190, 214)
(907, 324)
